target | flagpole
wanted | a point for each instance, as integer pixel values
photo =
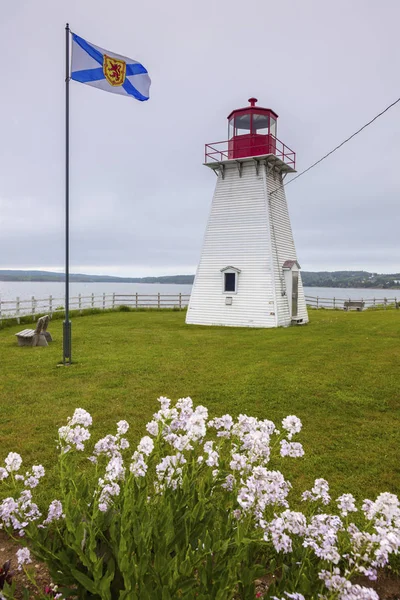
(67, 323)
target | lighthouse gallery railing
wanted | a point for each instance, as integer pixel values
(226, 150)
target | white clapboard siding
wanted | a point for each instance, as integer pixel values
(283, 248)
(239, 234)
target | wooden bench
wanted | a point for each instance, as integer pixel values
(353, 305)
(35, 337)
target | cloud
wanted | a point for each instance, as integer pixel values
(140, 196)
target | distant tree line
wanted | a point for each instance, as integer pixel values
(340, 279)
(350, 279)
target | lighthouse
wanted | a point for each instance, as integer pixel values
(249, 273)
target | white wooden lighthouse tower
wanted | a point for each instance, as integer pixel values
(249, 275)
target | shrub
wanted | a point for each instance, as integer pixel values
(200, 509)
(124, 308)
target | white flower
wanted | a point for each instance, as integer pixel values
(212, 460)
(169, 472)
(107, 445)
(18, 513)
(3, 473)
(293, 596)
(31, 482)
(122, 427)
(165, 402)
(263, 488)
(344, 589)
(229, 483)
(318, 492)
(292, 424)
(115, 469)
(13, 462)
(146, 445)
(292, 449)
(238, 463)
(55, 512)
(138, 467)
(346, 504)
(80, 417)
(385, 506)
(223, 425)
(107, 492)
(38, 471)
(213, 456)
(23, 557)
(73, 436)
(152, 428)
(321, 536)
(287, 522)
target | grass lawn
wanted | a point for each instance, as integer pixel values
(340, 374)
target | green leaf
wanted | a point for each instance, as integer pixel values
(305, 584)
(84, 580)
(105, 583)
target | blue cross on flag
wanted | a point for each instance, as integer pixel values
(108, 71)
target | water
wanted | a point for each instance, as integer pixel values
(351, 293)
(9, 290)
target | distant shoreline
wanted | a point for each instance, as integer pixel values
(323, 279)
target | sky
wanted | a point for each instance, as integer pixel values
(139, 193)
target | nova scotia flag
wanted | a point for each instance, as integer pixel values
(108, 71)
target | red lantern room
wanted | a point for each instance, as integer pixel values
(252, 131)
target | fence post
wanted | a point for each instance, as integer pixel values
(51, 305)
(180, 300)
(385, 302)
(334, 305)
(136, 303)
(33, 308)
(396, 305)
(92, 300)
(158, 301)
(317, 301)
(374, 302)
(113, 300)
(104, 300)
(80, 302)
(18, 319)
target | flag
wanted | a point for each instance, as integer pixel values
(108, 71)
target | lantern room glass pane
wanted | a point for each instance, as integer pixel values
(242, 124)
(231, 126)
(260, 124)
(273, 127)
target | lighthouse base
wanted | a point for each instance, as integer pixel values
(248, 275)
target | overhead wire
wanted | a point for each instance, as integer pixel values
(337, 147)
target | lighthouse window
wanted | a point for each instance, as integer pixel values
(231, 129)
(273, 127)
(229, 282)
(260, 124)
(242, 124)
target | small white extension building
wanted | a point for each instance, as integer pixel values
(249, 275)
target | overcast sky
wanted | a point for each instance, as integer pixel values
(140, 195)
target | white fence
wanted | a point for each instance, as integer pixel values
(14, 309)
(319, 302)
